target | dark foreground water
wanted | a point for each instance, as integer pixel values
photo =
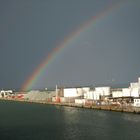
(26, 121)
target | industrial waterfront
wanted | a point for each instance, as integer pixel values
(71, 113)
(106, 98)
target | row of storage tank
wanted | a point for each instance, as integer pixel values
(132, 91)
(99, 92)
(85, 93)
(65, 94)
(74, 94)
(126, 92)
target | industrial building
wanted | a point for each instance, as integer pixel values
(82, 95)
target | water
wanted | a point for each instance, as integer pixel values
(26, 121)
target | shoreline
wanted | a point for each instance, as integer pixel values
(125, 109)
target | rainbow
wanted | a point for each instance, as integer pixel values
(32, 79)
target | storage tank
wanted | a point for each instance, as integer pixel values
(134, 85)
(96, 95)
(126, 92)
(116, 94)
(85, 95)
(139, 80)
(135, 92)
(105, 91)
(90, 95)
(79, 90)
(71, 92)
(86, 89)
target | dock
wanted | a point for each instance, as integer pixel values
(125, 109)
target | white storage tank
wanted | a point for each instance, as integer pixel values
(105, 91)
(86, 89)
(96, 95)
(79, 90)
(71, 92)
(126, 92)
(85, 95)
(139, 80)
(116, 94)
(135, 92)
(90, 95)
(134, 85)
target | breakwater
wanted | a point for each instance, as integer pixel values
(116, 108)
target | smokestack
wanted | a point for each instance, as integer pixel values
(56, 91)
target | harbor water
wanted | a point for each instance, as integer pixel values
(30, 121)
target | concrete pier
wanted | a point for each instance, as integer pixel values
(127, 109)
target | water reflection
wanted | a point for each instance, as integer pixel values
(84, 124)
(32, 121)
(131, 117)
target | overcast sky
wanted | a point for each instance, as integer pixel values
(107, 53)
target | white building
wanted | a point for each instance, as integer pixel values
(80, 101)
(5, 93)
(137, 102)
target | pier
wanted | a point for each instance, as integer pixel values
(116, 108)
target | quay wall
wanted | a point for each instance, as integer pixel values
(116, 108)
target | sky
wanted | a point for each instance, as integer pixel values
(105, 53)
